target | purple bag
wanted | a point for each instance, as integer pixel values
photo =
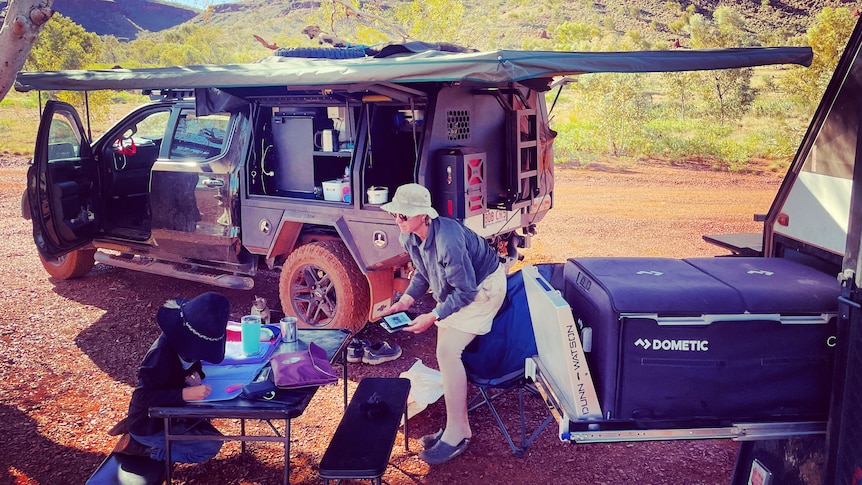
(302, 368)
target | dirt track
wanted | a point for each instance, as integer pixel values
(70, 349)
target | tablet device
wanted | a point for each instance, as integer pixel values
(395, 322)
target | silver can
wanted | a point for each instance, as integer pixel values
(288, 329)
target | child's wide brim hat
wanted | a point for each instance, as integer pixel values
(411, 200)
(196, 329)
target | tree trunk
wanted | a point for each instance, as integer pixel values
(24, 19)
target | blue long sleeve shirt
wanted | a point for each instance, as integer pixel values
(452, 261)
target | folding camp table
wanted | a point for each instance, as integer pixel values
(292, 402)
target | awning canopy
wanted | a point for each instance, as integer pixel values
(490, 67)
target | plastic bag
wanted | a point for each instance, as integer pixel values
(426, 387)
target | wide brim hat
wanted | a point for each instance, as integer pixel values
(196, 329)
(411, 200)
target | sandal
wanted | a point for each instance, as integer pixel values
(429, 440)
(442, 452)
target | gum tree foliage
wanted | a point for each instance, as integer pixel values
(617, 103)
(188, 44)
(827, 36)
(340, 18)
(434, 20)
(727, 92)
(681, 91)
(576, 36)
(373, 23)
(114, 52)
(62, 45)
(21, 24)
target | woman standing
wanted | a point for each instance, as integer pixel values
(468, 282)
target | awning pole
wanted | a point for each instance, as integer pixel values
(87, 110)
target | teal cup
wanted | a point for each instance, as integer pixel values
(250, 334)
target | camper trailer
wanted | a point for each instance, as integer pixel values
(761, 346)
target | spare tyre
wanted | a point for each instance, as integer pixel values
(322, 52)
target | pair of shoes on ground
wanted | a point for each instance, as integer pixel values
(438, 451)
(372, 354)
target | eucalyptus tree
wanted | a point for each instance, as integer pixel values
(21, 25)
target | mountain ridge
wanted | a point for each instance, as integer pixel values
(504, 23)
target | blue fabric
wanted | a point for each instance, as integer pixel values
(196, 451)
(511, 340)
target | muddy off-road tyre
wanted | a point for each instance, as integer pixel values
(321, 285)
(72, 265)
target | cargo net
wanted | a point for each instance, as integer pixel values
(849, 460)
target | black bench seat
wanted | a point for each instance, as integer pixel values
(120, 469)
(363, 441)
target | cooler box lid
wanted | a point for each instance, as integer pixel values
(774, 285)
(659, 285)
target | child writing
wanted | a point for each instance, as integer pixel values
(170, 375)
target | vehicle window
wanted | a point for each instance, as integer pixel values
(199, 137)
(63, 141)
(832, 154)
(834, 149)
(153, 126)
(140, 139)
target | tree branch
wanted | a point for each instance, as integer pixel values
(362, 16)
(24, 19)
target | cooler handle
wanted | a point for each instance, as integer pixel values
(703, 320)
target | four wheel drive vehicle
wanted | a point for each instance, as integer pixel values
(285, 163)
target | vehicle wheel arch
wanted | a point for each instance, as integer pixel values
(382, 282)
(321, 284)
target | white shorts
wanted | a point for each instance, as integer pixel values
(477, 317)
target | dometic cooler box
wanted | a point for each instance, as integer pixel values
(713, 338)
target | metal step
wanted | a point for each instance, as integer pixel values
(173, 270)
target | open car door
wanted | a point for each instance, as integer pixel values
(62, 183)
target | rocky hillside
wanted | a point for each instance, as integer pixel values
(502, 23)
(124, 19)
(512, 23)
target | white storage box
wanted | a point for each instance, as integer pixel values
(333, 190)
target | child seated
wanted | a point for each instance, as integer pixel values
(170, 375)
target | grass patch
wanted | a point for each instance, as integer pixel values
(20, 112)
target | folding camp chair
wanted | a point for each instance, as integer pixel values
(491, 389)
(503, 352)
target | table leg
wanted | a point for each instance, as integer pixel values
(168, 451)
(344, 371)
(242, 433)
(286, 451)
(406, 441)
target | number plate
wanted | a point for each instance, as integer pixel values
(494, 216)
